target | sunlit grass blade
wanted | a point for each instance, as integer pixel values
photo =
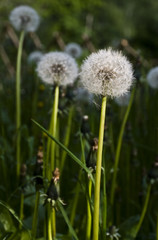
(77, 160)
(67, 221)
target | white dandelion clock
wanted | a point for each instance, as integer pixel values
(35, 57)
(107, 72)
(73, 49)
(24, 18)
(57, 68)
(123, 100)
(152, 78)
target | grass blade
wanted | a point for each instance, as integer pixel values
(77, 160)
(67, 220)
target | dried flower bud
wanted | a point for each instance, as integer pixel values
(91, 158)
(107, 72)
(24, 18)
(57, 68)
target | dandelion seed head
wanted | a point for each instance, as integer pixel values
(24, 18)
(57, 68)
(123, 100)
(35, 57)
(73, 49)
(107, 72)
(152, 78)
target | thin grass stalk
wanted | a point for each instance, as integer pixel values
(119, 144)
(89, 214)
(21, 208)
(75, 201)
(35, 215)
(67, 138)
(18, 104)
(77, 191)
(98, 173)
(104, 214)
(143, 211)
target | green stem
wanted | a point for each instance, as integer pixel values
(89, 215)
(21, 208)
(104, 214)
(35, 215)
(75, 201)
(67, 138)
(54, 126)
(18, 103)
(53, 223)
(143, 211)
(119, 144)
(98, 173)
(49, 212)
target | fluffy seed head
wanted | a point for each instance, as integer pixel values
(24, 18)
(35, 57)
(73, 49)
(57, 68)
(152, 78)
(123, 100)
(107, 72)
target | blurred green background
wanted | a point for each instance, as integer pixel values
(106, 22)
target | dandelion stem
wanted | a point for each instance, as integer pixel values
(119, 144)
(89, 216)
(53, 223)
(18, 103)
(67, 137)
(35, 215)
(98, 173)
(54, 125)
(49, 210)
(143, 211)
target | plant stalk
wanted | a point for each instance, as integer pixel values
(119, 144)
(35, 215)
(18, 104)
(98, 173)
(143, 211)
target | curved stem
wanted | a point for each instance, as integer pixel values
(98, 173)
(119, 144)
(143, 211)
(35, 215)
(18, 103)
